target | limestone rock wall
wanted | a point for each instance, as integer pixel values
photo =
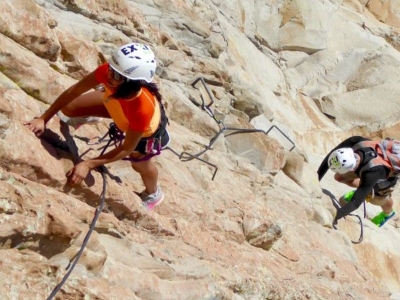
(250, 219)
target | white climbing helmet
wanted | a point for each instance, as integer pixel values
(134, 61)
(342, 160)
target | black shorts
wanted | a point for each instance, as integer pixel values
(155, 143)
(383, 186)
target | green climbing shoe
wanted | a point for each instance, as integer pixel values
(348, 196)
(381, 218)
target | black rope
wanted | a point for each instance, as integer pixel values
(99, 209)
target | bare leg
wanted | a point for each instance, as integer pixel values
(387, 206)
(88, 104)
(149, 174)
(342, 202)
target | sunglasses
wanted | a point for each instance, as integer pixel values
(115, 75)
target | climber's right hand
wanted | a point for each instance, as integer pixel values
(37, 126)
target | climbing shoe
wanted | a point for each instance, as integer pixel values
(381, 218)
(76, 122)
(348, 196)
(152, 200)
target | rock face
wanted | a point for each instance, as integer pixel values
(278, 84)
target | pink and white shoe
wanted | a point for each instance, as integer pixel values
(152, 200)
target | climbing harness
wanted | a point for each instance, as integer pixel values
(152, 145)
(75, 259)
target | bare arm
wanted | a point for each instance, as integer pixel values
(82, 86)
(131, 140)
(85, 84)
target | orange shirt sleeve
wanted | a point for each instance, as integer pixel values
(101, 73)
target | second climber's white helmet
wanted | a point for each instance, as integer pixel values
(342, 160)
(134, 61)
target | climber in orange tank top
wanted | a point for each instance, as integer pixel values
(133, 102)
